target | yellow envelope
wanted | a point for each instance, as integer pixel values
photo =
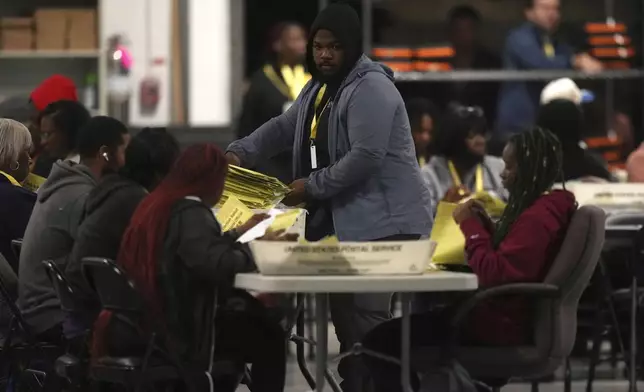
(447, 234)
(286, 220)
(33, 182)
(233, 214)
(450, 241)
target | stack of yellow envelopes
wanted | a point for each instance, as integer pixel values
(254, 190)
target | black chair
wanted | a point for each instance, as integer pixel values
(24, 359)
(71, 366)
(119, 296)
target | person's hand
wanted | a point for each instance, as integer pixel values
(279, 236)
(483, 216)
(465, 211)
(233, 159)
(456, 194)
(297, 194)
(252, 222)
(623, 127)
(585, 63)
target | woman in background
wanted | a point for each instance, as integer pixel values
(423, 117)
(17, 202)
(182, 263)
(459, 165)
(274, 88)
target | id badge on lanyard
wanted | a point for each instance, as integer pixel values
(314, 125)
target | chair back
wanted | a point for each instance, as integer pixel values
(66, 294)
(9, 295)
(116, 292)
(556, 321)
(16, 246)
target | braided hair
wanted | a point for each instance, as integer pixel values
(539, 165)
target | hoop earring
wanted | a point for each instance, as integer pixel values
(15, 168)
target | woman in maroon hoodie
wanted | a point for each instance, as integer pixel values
(519, 248)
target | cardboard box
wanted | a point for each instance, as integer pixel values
(23, 23)
(82, 29)
(52, 26)
(17, 39)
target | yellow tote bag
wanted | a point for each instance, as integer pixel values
(450, 241)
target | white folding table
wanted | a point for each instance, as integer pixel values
(322, 285)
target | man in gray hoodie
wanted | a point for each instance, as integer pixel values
(355, 159)
(56, 216)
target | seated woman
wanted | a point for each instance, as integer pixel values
(459, 165)
(17, 202)
(180, 261)
(520, 248)
(59, 123)
(565, 120)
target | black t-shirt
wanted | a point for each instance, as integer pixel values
(322, 136)
(319, 222)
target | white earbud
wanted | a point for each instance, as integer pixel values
(107, 159)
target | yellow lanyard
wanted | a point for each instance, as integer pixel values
(478, 181)
(548, 48)
(10, 178)
(294, 80)
(316, 117)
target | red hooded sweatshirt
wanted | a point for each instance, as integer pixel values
(525, 255)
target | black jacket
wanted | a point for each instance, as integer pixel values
(262, 102)
(197, 261)
(15, 210)
(107, 214)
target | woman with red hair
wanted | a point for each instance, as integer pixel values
(180, 261)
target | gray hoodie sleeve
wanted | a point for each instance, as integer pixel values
(275, 136)
(370, 118)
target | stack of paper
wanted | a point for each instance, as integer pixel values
(234, 214)
(254, 190)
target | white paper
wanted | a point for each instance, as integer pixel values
(259, 229)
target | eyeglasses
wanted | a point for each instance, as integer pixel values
(469, 111)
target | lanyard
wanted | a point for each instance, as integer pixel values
(457, 180)
(294, 80)
(315, 123)
(10, 178)
(316, 117)
(548, 47)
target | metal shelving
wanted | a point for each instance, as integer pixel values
(49, 54)
(514, 75)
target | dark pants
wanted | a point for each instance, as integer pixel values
(251, 336)
(427, 329)
(353, 316)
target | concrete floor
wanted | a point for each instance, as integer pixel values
(608, 380)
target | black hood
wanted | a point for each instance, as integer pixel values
(111, 184)
(343, 21)
(564, 119)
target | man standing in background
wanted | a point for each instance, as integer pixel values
(534, 46)
(273, 89)
(354, 160)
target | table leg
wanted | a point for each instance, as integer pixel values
(299, 343)
(633, 359)
(405, 302)
(322, 325)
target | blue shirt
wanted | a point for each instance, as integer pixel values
(519, 101)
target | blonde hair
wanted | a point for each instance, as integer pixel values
(14, 140)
